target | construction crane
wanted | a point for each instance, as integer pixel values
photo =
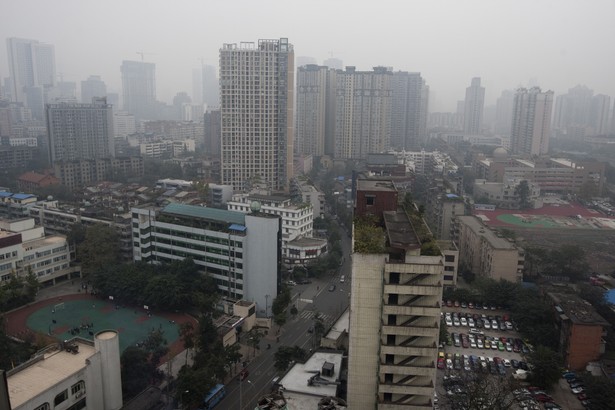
(141, 53)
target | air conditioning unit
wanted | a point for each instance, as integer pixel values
(78, 395)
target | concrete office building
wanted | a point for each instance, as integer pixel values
(600, 110)
(211, 87)
(92, 87)
(67, 374)
(504, 112)
(139, 89)
(25, 248)
(473, 107)
(362, 112)
(394, 322)
(31, 64)
(531, 126)
(257, 110)
(240, 251)
(408, 110)
(124, 124)
(486, 253)
(80, 131)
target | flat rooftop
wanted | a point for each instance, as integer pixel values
(340, 326)
(399, 230)
(296, 380)
(42, 374)
(578, 310)
(202, 212)
(384, 185)
(479, 228)
(305, 241)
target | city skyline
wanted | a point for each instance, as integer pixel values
(451, 44)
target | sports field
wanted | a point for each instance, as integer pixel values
(84, 315)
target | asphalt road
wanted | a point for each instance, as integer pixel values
(310, 298)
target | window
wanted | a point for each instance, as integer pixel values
(44, 406)
(60, 398)
(449, 258)
(370, 200)
(77, 388)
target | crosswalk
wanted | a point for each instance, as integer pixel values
(310, 314)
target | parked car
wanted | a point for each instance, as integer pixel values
(331, 288)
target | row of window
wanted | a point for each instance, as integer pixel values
(8, 255)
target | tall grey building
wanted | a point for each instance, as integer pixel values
(572, 113)
(503, 112)
(139, 89)
(256, 106)
(80, 131)
(31, 64)
(363, 112)
(94, 86)
(408, 110)
(211, 87)
(531, 125)
(197, 85)
(334, 63)
(599, 114)
(315, 109)
(473, 108)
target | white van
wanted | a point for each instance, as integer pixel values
(342, 279)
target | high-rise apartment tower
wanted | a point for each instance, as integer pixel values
(473, 108)
(139, 89)
(256, 105)
(531, 126)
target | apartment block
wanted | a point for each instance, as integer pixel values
(79, 173)
(582, 330)
(304, 191)
(14, 206)
(485, 252)
(394, 321)
(240, 251)
(25, 248)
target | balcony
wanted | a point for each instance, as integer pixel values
(429, 331)
(410, 351)
(427, 371)
(411, 310)
(431, 290)
(426, 390)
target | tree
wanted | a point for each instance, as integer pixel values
(187, 336)
(601, 390)
(233, 355)
(547, 366)
(286, 354)
(523, 192)
(568, 260)
(136, 371)
(254, 339)
(480, 391)
(100, 248)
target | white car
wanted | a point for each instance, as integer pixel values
(487, 324)
(479, 344)
(449, 364)
(456, 321)
(464, 321)
(506, 363)
(449, 322)
(471, 322)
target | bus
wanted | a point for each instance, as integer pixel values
(214, 397)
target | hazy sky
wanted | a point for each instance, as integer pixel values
(556, 43)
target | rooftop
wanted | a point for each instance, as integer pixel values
(577, 310)
(400, 232)
(384, 185)
(479, 228)
(339, 327)
(296, 380)
(46, 371)
(202, 212)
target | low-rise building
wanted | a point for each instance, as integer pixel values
(485, 252)
(240, 251)
(582, 330)
(15, 206)
(298, 244)
(31, 181)
(67, 374)
(304, 191)
(80, 173)
(25, 248)
(505, 194)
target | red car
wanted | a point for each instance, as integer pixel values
(543, 397)
(582, 396)
(441, 364)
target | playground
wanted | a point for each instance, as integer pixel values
(83, 315)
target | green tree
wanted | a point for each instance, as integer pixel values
(187, 336)
(523, 192)
(136, 371)
(101, 248)
(547, 366)
(254, 339)
(481, 391)
(601, 390)
(286, 354)
(232, 356)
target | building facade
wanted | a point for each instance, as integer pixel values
(25, 248)
(67, 374)
(473, 106)
(139, 89)
(408, 110)
(298, 245)
(93, 87)
(79, 173)
(80, 131)
(362, 112)
(241, 252)
(394, 323)
(313, 106)
(531, 126)
(257, 112)
(486, 253)
(582, 330)
(31, 65)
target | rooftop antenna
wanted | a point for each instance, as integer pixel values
(141, 53)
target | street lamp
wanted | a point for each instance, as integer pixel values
(241, 392)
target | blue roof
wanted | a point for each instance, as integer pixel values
(236, 227)
(452, 196)
(5, 194)
(23, 196)
(610, 296)
(202, 212)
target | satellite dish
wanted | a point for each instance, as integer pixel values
(255, 206)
